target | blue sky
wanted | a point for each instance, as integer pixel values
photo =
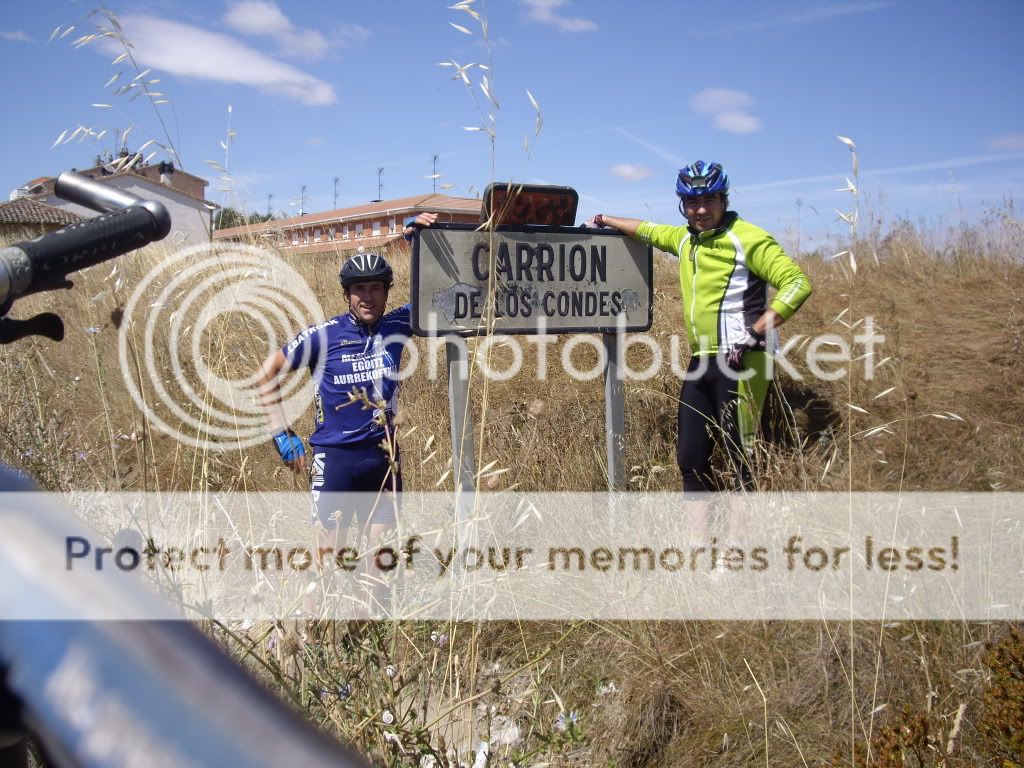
(930, 91)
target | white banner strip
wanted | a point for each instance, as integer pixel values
(245, 558)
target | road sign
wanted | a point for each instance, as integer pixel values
(529, 280)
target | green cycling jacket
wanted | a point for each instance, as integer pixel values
(724, 276)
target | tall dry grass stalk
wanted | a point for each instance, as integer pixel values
(126, 87)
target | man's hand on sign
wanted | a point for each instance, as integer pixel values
(423, 220)
(625, 226)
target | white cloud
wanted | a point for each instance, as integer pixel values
(257, 17)
(546, 12)
(825, 12)
(737, 122)
(808, 15)
(315, 141)
(838, 178)
(190, 51)
(264, 17)
(713, 100)
(18, 36)
(1008, 142)
(728, 109)
(349, 34)
(630, 172)
(659, 151)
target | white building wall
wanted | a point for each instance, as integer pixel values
(190, 219)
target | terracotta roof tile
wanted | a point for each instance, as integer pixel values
(342, 246)
(431, 202)
(48, 182)
(27, 211)
(154, 170)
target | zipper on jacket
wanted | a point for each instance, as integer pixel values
(693, 296)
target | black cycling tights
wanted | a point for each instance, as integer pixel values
(708, 415)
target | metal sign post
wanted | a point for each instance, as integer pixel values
(614, 412)
(463, 445)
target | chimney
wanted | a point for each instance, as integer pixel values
(166, 169)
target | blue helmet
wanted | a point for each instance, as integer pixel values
(702, 178)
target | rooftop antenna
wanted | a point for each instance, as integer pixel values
(335, 193)
(270, 196)
(302, 201)
(434, 172)
(380, 186)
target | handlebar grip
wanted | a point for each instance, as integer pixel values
(28, 265)
(76, 188)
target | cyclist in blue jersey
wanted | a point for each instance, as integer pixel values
(354, 360)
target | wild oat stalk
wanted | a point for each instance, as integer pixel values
(222, 169)
(851, 220)
(487, 113)
(487, 110)
(140, 85)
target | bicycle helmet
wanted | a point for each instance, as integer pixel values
(702, 178)
(366, 266)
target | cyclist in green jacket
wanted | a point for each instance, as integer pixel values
(725, 267)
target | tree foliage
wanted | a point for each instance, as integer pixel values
(228, 217)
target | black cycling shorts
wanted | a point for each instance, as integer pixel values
(354, 482)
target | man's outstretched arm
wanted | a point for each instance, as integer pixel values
(626, 226)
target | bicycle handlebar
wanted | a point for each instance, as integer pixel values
(41, 264)
(100, 694)
(96, 691)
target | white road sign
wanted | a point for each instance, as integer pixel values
(531, 280)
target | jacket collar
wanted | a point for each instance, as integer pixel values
(727, 221)
(364, 328)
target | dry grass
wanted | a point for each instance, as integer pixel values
(646, 694)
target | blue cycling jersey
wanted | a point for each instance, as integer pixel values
(344, 355)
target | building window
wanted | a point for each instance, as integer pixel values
(330, 233)
(316, 235)
(305, 236)
(391, 225)
(359, 229)
(344, 232)
(295, 237)
(376, 228)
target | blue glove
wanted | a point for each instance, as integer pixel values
(289, 445)
(410, 222)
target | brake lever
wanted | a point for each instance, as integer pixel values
(55, 283)
(46, 324)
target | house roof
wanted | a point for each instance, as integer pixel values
(26, 211)
(343, 246)
(157, 184)
(36, 182)
(48, 182)
(154, 170)
(339, 244)
(430, 202)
